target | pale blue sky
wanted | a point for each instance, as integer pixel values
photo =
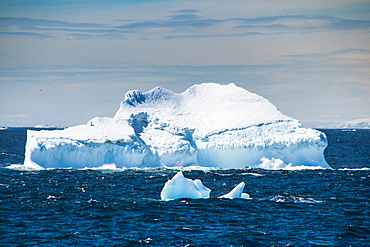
(310, 58)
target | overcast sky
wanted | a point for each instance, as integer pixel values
(65, 62)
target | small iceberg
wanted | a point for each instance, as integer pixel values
(182, 187)
(237, 192)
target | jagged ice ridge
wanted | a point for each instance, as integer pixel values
(209, 125)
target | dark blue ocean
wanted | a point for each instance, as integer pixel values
(67, 207)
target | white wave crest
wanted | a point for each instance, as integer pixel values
(21, 167)
(278, 164)
(293, 199)
(355, 169)
(104, 167)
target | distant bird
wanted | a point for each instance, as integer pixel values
(41, 90)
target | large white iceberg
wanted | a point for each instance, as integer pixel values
(209, 125)
(182, 187)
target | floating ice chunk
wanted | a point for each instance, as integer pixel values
(237, 192)
(181, 187)
(204, 191)
(245, 196)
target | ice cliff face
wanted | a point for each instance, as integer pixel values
(207, 125)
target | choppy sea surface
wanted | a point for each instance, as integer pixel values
(69, 207)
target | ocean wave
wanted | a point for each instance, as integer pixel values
(113, 167)
(266, 164)
(21, 167)
(293, 199)
(251, 174)
(354, 169)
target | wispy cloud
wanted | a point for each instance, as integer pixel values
(187, 11)
(305, 23)
(194, 26)
(186, 23)
(44, 28)
(25, 35)
(355, 60)
(341, 66)
(318, 83)
(185, 17)
(14, 116)
(342, 52)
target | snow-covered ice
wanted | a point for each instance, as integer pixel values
(237, 192)
(362, 123)
(209, 125)
(182, 187)
(45, 126)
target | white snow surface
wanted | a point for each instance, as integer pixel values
(182, 187)
(44, 126)
(208, 125)
(362, 123)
